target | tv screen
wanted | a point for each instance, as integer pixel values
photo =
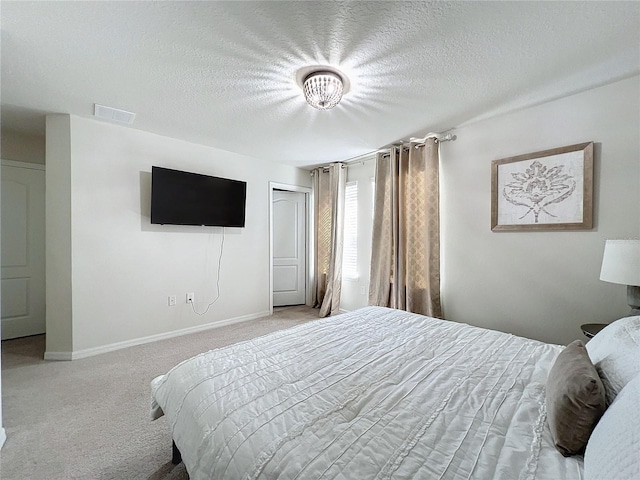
(184, 198)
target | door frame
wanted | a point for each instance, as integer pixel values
(308, 197)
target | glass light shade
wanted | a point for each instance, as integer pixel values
(621, 262)
(323, 90)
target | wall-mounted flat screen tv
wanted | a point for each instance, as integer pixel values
(184, 198)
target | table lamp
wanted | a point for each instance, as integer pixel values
(621, 264)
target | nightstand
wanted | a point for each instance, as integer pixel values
(590, 329)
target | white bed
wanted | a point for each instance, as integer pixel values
(371, 394)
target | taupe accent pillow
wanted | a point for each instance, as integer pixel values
(575, 399)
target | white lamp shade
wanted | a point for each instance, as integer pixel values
(621, 262)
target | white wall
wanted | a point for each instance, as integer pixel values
(123, 268)
(355, 291)
(543, 285)
(22, 147)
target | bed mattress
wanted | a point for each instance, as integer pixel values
(372, 394)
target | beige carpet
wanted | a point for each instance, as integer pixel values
(89, 419)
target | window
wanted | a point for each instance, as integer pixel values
(373, 196)
(350, 246)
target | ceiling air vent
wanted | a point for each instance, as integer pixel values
(113, 114)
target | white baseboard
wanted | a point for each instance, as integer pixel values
(3, 436)
(90, 352)
(57, 356)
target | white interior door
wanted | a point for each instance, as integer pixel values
(289, 253)
(23, 250)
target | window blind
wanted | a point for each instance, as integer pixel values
(350, 246)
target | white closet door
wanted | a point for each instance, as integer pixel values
(289, 255)
(23, 250)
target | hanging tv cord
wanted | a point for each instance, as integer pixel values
(193, 307)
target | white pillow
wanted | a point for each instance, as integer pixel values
(613, 450)
(615, 352)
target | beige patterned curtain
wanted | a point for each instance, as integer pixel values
(328, 190)
(405, 256)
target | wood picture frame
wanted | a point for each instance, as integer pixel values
(547, 190)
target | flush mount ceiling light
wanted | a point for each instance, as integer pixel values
(323, 90)
(323, 86)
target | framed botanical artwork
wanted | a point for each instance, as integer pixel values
(548, 190)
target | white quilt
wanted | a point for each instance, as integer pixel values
(371, 394)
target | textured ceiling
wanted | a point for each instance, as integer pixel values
(223, 73)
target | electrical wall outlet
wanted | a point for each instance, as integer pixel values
(172, 300)
(191, 297)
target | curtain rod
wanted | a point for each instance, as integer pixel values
(449, 137)
(439, 138)
(325, 168)
(362, 159)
